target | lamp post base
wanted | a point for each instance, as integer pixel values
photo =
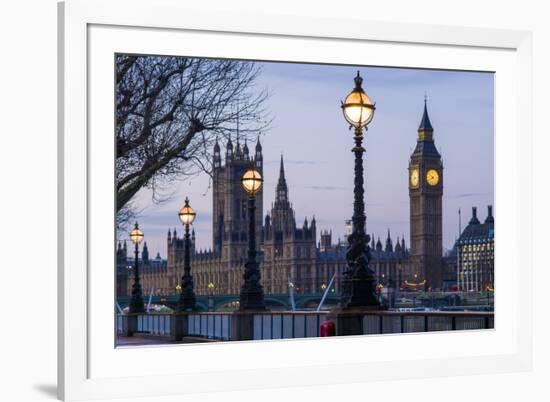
(360, 285)
(362, 291)
(252, 299)
(136, 302)
(187, 302)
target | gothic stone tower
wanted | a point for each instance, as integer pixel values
(425, 195)
(229, 208)
(289, 251)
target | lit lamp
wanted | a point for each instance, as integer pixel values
(187, 300)
(252, 182)
(136, 302)
(252, 293)
(210, 287)
(358, 284)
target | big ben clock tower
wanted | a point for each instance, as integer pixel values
(425, 194)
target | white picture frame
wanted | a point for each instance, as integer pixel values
(90, 367)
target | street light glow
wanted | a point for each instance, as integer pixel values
(187, 214)
(136, 234)
(357, 107)
(252, 181)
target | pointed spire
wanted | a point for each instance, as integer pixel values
(238, 151)
(389, 244)
(397, 245)
(474, 220)
(425, 124)
(245, 149)
(216, 146)
(490, 218)
(282, 189)
(145, 253)
(229, 152)
(258, 145)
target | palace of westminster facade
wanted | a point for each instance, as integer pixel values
(291, 254)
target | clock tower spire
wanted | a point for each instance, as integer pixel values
(425, 196)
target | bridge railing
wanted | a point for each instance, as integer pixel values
(209, 325)
(286, 325)
(233, 326)
(419, 321)
(269, 325)
(154, 324)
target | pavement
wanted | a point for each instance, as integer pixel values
(147, 340)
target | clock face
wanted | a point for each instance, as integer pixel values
(432, 177)
(414, 177)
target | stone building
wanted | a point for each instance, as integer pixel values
(290, 254)
(475, 249)
(152, 272)
(425, 194)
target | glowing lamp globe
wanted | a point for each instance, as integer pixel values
(136, 235)
(252, 181)
(357, 107)
(187, 214)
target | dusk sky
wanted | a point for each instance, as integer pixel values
(311, 133)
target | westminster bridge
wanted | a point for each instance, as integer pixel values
(310, 301)
(228, 302)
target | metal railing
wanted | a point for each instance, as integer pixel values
(287, 325)
(209, 325)
(390, 322)
(228, 326)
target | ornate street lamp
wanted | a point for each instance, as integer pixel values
(358, 287)
(136, 302)
(252, 293)
(210, 287)
(187, 299)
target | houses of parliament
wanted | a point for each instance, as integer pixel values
(290, 253)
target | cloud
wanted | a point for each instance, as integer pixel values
(294, 162)
(323, 188)
(469, 195)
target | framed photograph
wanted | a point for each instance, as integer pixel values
(285, 201)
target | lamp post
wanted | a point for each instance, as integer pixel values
(136, 302)
(252, 293)
(187, 296)
(210, 296)
(359, 288)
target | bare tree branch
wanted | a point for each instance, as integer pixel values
(169, 110)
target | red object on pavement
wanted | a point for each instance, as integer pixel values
(327, 328)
